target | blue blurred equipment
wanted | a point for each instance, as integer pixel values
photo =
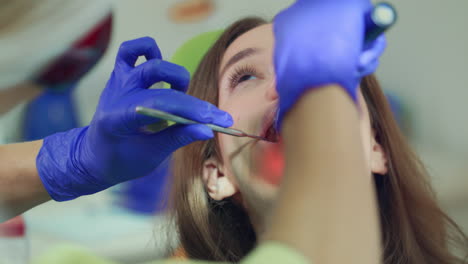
(146, 195)
(324, 42)
(115, 148)
(51, 112)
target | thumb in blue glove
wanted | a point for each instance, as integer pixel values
(114, 148)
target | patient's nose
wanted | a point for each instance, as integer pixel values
(271, 93)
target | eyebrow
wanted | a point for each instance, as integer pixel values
(239, 56)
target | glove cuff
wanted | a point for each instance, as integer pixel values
(59, 170)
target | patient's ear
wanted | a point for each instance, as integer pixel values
(217, 183)
(378, 157)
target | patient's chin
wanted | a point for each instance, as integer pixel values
(257, 167)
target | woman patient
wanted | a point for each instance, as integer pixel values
(221, 201)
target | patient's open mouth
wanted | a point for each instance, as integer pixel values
(269, 131)
(271, 134)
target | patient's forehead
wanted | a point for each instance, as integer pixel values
(260, 37)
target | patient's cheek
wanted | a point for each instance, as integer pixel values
(270, 163)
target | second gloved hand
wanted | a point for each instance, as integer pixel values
(114, 148)
(319, 43)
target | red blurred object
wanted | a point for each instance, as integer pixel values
(79, 58)
(13, 228)
(272, 164)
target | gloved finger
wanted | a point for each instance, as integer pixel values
(371, 53)
(177, 103)
(163, 143)
(177, 136)
(370, 68)
(157, 70)
(129, 51)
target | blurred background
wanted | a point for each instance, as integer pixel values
(424, 72)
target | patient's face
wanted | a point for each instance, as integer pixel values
(247, 91)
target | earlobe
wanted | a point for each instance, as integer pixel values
(210, 178)
(378, 159)
(217, 184)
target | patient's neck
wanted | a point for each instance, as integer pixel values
(257, 215)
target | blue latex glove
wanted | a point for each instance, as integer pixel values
(320, 42)
(114, 147)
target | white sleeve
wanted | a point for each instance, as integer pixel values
(34, 32)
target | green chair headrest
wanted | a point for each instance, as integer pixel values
(191, 52)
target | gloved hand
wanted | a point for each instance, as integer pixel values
(320, 42)
(114, 147)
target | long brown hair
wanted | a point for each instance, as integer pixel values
(415, 229)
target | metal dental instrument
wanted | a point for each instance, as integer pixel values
(180, 120)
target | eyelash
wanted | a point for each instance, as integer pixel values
(240, 72)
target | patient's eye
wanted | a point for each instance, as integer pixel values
(246, 78)
(242, 74)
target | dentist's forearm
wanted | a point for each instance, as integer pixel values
(20, 186)
(327, 206)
